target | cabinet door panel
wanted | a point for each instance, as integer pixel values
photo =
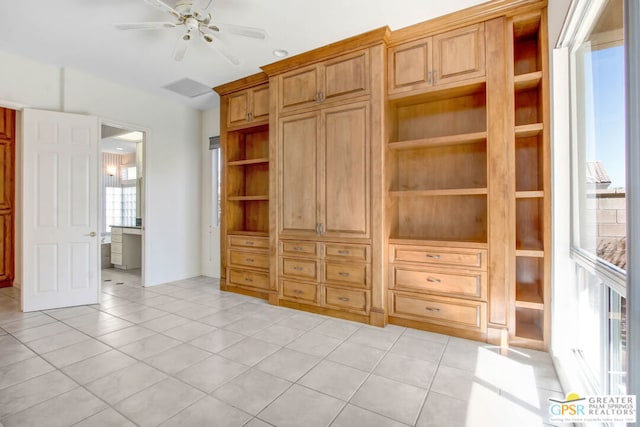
(409, 66)
(238, 108)
(260, 103)
(346, 171)
(299, 88)
(346, 76)
(298, 174)
(459, 54)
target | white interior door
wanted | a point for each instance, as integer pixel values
(60, 210)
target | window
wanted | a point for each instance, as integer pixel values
(597, 327)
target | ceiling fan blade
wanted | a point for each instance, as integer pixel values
(211, 41)
(181, 46)
(200, 8)
(239, 30)
(163, 6)
(145, 26)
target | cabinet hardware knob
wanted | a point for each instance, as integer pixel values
(297, 248)
(433, 256)
(343, 274)
(343, 252)
(435, 310)
(429, 76)
(433, 280)
(297, 291)
(249, 243)
(247, 117)
(247, 279)
(435, 77)
(249, 259)
(298, 268)
(343, 298)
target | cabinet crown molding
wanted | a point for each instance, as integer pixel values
(355, 43)
(240, 84)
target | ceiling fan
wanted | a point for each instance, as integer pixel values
(195, 17)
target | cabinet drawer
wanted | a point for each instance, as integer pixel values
(249, 259)
(343, 298)
(299, 291)
(116, 231)
(116, 259)
(347, 252)
(435, 255)
(303, 268)
(116, 248)
(249, 278)
(298, 248)
(451, 312)
(249, 242)
(467, 284)
(116, 238)
(348, 274)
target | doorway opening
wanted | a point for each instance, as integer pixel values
(122, 205)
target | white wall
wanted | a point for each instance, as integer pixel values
(172, 222)
(210, 233)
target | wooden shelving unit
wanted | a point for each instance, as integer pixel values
(530, 313)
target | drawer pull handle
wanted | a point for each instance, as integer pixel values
(432, 256)
(249, 259)
(248, 279)
(343, 274)
(434, 310)
(297, 291)
(298, 248)
(343, 252)
(296, 268)
(433, 280)
(344, 299)
(249, 243)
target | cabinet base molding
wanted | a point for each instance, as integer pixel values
(378, 317)
(362, 318)
(439, 329)
(498, 335)
(248, 292)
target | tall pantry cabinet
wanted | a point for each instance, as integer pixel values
(399, 177)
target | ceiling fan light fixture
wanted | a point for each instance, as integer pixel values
(207, 38)
(186, 37)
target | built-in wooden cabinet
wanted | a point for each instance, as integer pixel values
(248, 107)
(438, 60)
(324, 172)
(399, 177)
(333, 80)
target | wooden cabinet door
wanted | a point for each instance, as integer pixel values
(260, 104)
(7, 183)
(459, 54)
(346, 76)
(299, 88)
(346, 171)
(238, 108)
(410, 66)
(298, 174)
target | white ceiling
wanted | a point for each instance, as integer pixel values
(80, 34)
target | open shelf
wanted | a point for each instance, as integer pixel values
(248, 198)
(529, 130)
(248, 233)
(534, 253)
(248, 162)
(247, 216)
(465, 138)
(528, 81)
(528, 108)
(529, 323)
(248, 180)
(529, 165)
(529, 224)
(527, 42)
(440, 218)
(396, 240)
(529, 282)
(248, 145)
(455, 169)
(529, 194)
(422, 119)
(443, 192)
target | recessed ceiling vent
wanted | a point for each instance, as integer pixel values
(189, 88)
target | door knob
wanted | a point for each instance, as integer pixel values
(92, 234)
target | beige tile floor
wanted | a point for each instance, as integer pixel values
(186, 354)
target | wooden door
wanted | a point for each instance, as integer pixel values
(299, 88)
(459, 54)
(7, 199)
(410, 66)
(260, 104)
(238, 108)
(298, 174)
(60, 216)
(345, 171)
(345, 77)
